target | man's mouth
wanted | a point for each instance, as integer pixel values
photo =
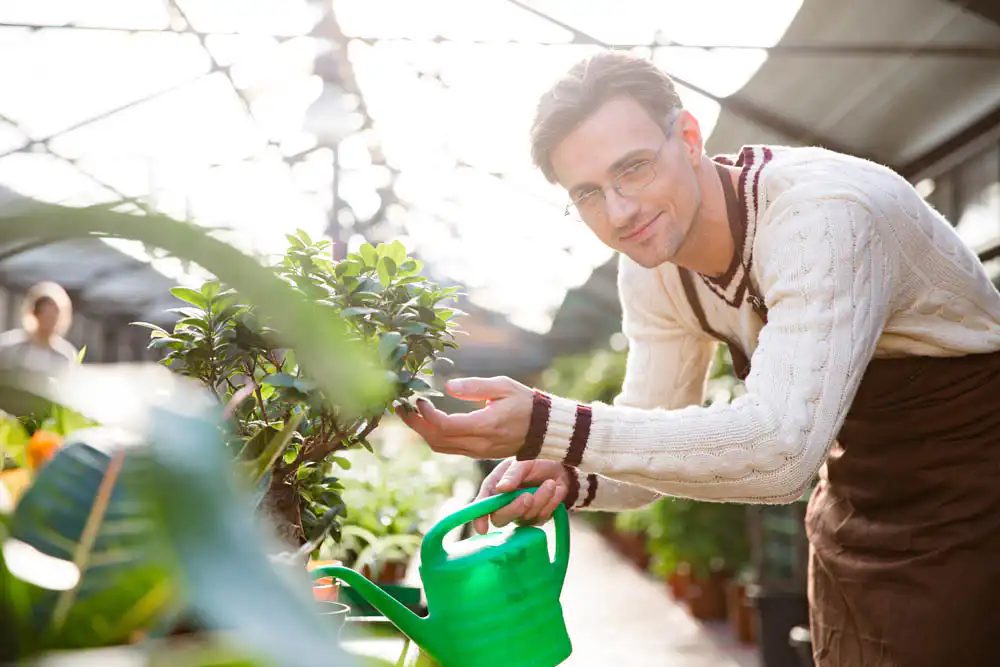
(637, 232)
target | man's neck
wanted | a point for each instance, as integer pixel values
(42, 339)
(710, 246)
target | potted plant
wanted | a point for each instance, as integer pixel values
(698, 545)
(99, 547)
(288, 432)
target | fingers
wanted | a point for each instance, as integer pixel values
(558, 495)
(513, 511)
(462, 423)
(489, 488)
(480, 389)
(514, 476)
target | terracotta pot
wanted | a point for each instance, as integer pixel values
(742, 616)
(392, 572)
(706, 598)
(326, 589)
(679, 581)
(633, 547)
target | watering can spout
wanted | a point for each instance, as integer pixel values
(410, 624)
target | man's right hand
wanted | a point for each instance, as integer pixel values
(551, 478)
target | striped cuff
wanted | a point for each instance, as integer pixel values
(540, 408)
(581, 490)
(559, 430)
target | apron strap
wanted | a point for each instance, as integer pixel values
(735, 227)
(741, 364)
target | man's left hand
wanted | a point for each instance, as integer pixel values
(495, 431)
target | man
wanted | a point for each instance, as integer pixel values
(868, 335)
(47, 313)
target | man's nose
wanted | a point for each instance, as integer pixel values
(621, 210)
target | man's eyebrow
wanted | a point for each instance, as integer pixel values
(615, 167)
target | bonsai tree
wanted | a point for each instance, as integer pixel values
(95, 548)
(287, 431)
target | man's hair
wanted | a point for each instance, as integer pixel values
(39, 295)
(588, 85)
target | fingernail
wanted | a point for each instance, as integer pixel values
(456, 385)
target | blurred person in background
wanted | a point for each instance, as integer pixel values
(868, 335)
(46, 316)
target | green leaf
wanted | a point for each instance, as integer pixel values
(13, 440)
(368, 254)
(417, 384)
(411, 267)
(275, 448)
(210, 290)
(384, 274)
(191, 296)
(342, 462)
(388, 343)
(279, 380)
(83, 508)
(304, 236)
(358, 310)
(394, 251)
(81, 354)
(294, 241)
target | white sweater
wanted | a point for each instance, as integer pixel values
(851, 263)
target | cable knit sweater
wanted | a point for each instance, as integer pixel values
(851, 264)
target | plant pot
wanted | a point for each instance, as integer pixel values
(800, 639)
(706, 597)
(779, 609)
(391, 573)
(336, 613)
(742, 618)
(633, 547)
(326, 589)
(679, 581)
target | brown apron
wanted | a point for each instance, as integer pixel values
(904, 523)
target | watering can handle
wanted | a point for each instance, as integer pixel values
(432, 549)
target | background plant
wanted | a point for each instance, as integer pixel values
(703, 534)
(288, 431)
(161, 434)
(394, 493)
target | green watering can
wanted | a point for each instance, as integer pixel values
(492, 599)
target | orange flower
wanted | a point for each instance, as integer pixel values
(42, 447)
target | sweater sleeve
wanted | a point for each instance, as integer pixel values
(667, 367)
(826, 279)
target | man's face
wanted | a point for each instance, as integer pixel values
(650, 225)
(47, 315)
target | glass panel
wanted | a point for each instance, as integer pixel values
(70, 76)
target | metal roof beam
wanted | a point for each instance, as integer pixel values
(980, 51)
(977, 136)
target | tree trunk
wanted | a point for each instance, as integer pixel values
(282, 503)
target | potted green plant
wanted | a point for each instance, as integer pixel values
(288, 433)
(94, 551)
(698, 546)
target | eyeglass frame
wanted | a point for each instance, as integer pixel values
(668, 133)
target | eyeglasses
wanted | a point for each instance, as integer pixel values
(593, 204)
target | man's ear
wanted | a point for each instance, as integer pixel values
(689, 133)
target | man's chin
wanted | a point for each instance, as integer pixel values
(646, 258)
